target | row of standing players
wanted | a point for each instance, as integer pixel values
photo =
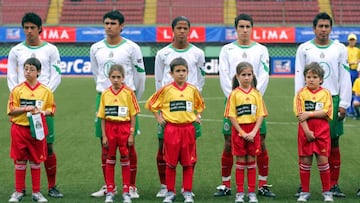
(118, 50)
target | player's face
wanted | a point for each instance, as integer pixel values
(112, 27)
(181, 31)
(179, 74)
(244, 31)
(116, 79)
(322, 31)
(312, 81)
(30, 72)
(31, 32)
(245, 77)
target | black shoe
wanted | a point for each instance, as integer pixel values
(265, 191)
(54, 192)
(358, 193)
(222, 190)
(298, 191)
(336, 191)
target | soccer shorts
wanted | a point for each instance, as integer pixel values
(50, 138)
(321, 145)
(197, 126)
(117, 134)
(227, 127)
(241, 147)
(336, 126)
(24, 147)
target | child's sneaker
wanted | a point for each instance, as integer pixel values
(38, 197)
(126, 197)
(304, 197)
(16, 197)
(188, 197)
(133, 192)
(328, 196)
(239, 198)
(110, 197)
(169, 197)
(252, 197)
(162, 192)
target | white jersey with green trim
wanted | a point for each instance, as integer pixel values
(47, 54)
(233, 53)
(128, 54)
(193, 55)
(333, 59)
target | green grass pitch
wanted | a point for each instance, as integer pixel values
(78, 151)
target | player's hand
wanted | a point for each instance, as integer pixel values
(341, 113)
(310, 136)
(105, 141)
(131, 139)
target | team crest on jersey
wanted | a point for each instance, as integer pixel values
(226, 126)
(107, 67)
(111, 54)
(33, 55)
(322, 55)
(244, 55)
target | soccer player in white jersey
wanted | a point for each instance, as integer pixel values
(195, 58)
(50, 76)
(115, 49)
(332, 57)
(243, 50)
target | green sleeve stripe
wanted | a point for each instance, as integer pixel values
(265, 67)
(139, 70)
(57, 68)
(347, 68)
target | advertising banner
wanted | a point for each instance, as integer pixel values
(282, 65)
(164, 34)
(304, 34)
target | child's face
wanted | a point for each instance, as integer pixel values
(116, 79)
(30, 72)
(179, 74)
(245, 77)
(312, 80)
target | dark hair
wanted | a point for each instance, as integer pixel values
(314, 68)
(32, 18)
(179, 18)
(322, 16)
(239, 68)
(115, 15)
(178, 62)
(243, 16)
(117, 67)
(34, 62)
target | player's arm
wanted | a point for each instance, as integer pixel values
(345, 87)
(299, 69)
(138, 71)
(55, 72)
(12, 71)
(159, 70)
(201, 71)
(93, 63)
(263, 72)
(224, 73)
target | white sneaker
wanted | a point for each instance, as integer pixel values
(16, 197)
(126, 197)
(328, 196)
(133, 192)
(239, 198)
(182, 191)
(100, 193)
(163, 191)
(169, 197)
(188, 197)
(252, 197)
(304, 197)
(110, 197)
(38, 197)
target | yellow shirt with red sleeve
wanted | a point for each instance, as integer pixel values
(23, 95)
(178, 105)
(118, 106)
(309, 100)
(245, 106)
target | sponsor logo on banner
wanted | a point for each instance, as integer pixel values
(165, 34)
(266, 34)
(75, 65)
(13, 33)
(3, 66)
(58, 34)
